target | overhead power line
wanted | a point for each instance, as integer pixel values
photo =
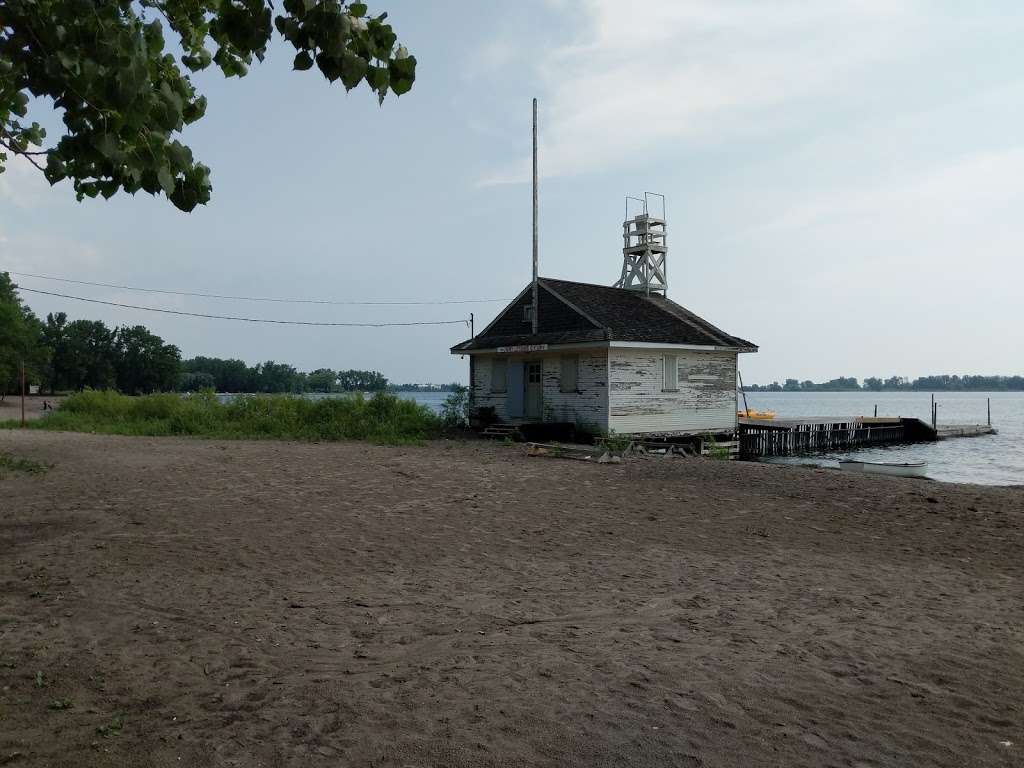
(254, 298)
(243, 319)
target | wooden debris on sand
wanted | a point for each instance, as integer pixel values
(578, 452)
(602, 455)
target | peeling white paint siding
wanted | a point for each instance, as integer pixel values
(589, 404)
(481, 387)
(705, 400)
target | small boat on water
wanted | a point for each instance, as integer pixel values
(750, 413)
(898, 469)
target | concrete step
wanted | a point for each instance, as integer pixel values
(499, 430)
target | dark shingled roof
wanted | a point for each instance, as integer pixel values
(573, 313)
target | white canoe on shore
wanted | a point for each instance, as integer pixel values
(898, 469)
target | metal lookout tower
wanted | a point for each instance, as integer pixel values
(644, 250)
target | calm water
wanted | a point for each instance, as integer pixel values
(433, 400)
(990, 460)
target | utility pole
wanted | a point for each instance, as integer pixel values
(535, 207)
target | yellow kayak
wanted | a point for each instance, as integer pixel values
(750, 413)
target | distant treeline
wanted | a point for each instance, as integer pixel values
(944, 383)
(453, 387)
(270, 377)
(62, 355)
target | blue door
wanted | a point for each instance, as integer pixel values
(514, 389)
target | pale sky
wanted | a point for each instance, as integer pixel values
(844, 184)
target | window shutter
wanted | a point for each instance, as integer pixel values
(570, 373)
(499, 370)
(671, 373)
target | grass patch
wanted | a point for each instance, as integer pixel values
(16, 464)
(383, 418)
(714, 449)
(612, 441)
(112, 729)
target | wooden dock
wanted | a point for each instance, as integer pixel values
(780, 437)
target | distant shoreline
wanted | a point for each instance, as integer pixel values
(926, 390)
(940, 383)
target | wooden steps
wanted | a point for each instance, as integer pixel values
(499, 431)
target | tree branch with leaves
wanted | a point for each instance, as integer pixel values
(125, 98)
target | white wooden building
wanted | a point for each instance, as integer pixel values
(623, 359)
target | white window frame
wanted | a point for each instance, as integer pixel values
(575, 360)
(499, 364)
(670, 373)
(528, 374)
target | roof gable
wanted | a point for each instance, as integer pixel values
(634, 316)
(572, 313)
(555, 316)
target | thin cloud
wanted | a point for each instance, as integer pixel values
(663, 73)
(974, 186)
(38, 252)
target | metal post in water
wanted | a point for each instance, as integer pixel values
(746, 408)
(876, 410)
(988, 401)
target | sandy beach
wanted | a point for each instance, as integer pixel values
(171, 602)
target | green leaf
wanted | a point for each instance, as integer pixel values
(179, 154)
(353, 69)
(403, 73)
(67, 62)
(377, 77)
(357, 9)
(55, 168)
(303, 61)
(20, 105)
(108, 188)
(166, 180)
(106, 144)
